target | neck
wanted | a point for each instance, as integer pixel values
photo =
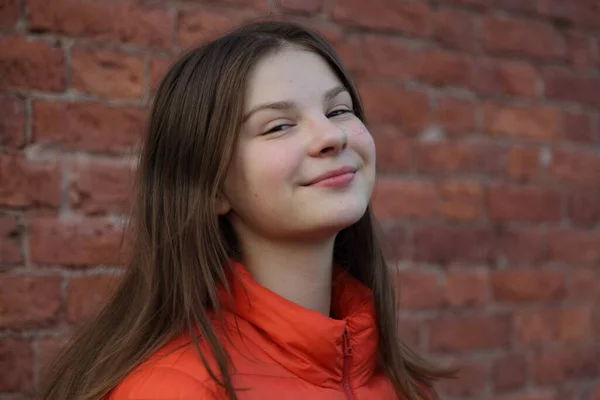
(298, 272)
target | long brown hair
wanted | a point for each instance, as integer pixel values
(181, 246)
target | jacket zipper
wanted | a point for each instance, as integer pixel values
(346, 369)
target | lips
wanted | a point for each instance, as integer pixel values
(331, 174)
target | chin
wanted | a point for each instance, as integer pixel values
(337, 218)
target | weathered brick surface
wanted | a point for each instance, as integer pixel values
(486, 118)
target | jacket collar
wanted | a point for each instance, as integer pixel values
(306, 342)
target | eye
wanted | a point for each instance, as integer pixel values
(336, 113)
(278, 128)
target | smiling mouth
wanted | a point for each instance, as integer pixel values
(334, 178)
(336, 181)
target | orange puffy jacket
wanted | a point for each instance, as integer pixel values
(285, 351)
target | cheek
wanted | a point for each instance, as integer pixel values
(361, 140)
(272, 164)
(356, 128)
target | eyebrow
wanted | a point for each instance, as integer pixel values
(286, 105)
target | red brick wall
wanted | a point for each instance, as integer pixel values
(486, 117)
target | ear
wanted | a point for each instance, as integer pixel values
(222, 205)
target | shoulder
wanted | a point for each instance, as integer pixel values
(162, 383)
(175, 372)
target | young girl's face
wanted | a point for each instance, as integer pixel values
(299, 129)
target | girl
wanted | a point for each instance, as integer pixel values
(256, 272)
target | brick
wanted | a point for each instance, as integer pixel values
(397, 15)
(100, 186)
(445, 244)
(524, 203)
(93, 127)
(596, 321)
(9, 13)
(418, 290)
(23, 396)
(462, 200)
(568, 393)
(575, 246)
(12, 124)
(105, 73)
(102, 21)
(454, 29)
(535, 327)
(521, 37)
(523, 164)
(525, 245)
(410, 331)
(469, 333)
(158, 69)
(395, 242)
(81, 242)
(495, 76)
(16, 364)
(536, 123)
(470, 381)
(465, 288)
(407, 109)
(195, 28)
(537, 395)
(575, 324)
(555, 365)
(582, 13)
(580, 128)
(523, 7)
(388, 57)
(456, 116)
(595, 392)
(394, 153)
(584, 207)
(331, 32)
(86, 295)
(585, 284)
(476, 4)
(451, 157)
(579, 49)
(307, 6)
(49, 348)
(29, 302)
(10, 241)
(259, 5)
(528, 285)
(31, 64)
(442, 68)
(395, 198)
(580, 168)
(349, 49)
(27, 183)
(567, 86)
(509, 372)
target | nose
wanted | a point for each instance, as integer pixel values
(327, 138)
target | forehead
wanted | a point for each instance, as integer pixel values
(292, 74)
